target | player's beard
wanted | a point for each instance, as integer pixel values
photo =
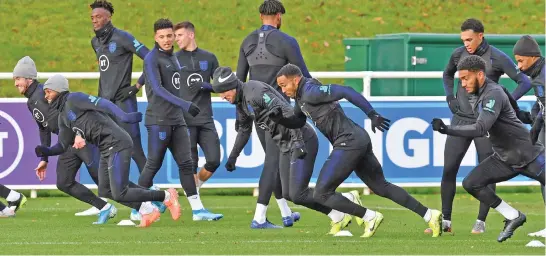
(476, 85)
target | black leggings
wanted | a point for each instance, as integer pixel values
(339, 166)
(177, 140)
(270, 181)
(493, 170)
(130, 105)
(114, 180)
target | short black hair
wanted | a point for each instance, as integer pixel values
(162, 24)
(186, 25)
(472, 63)
(271, 7)
(472, 24)
(289, 70)
(103, 4)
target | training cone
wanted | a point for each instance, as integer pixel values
(535, 243)
(126, 223)
(343, 233)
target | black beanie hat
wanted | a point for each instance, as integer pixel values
(527, 46)
(224, 80)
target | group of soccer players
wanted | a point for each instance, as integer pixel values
(103, 131)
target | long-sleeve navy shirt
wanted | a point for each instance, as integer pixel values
(91, 118)
(320, 104)
(280, 45)
(46, 117)
(498, 121)
(498, 63)
(163, 82)
(114, 50)
(255, 101)
(197, 65)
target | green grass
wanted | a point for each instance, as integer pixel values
(57, 35)
(47, 226)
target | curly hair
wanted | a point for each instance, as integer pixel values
(271, 7)
(103, 4)
(472, 63)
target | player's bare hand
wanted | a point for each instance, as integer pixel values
(79, 142)
(41, 170)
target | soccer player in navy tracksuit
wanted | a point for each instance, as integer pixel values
(88, 118)
(498, 63)
(262, 53)
(514, 152)
(352, 148)
(114, 49)
(198, 65)
(47, 118)
(531, 62)
(165, 118)
(259, 102)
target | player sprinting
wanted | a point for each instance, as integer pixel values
(88, 118)
(15, 201)
(531, 62)
(68, 164)
(114, 49)
(198, 65)
(498, 63)
(257, 101)
(165, 119)
(352, 148)
(514, 153)
(262, 53)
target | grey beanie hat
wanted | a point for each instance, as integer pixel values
(25, 68)
(57, 83)
(224, 80)
(527, 46)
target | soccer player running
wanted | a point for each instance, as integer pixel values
(15, 201)
(352, 148)
(262, 53)
(257, 101)
(68, 164)
(531, 62)
(514, 153)
(165, 118)
(198, 65)
(88, 118)
(498, 63)
(114, 49)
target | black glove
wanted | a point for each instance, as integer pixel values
(126, 92)
(41, 151)
(300, 152)
(438, 125)
(195, 86)
(452, 103)
(524, 117)
(193, 110)
(131, 118)
(276, 114)
(535, 129)
(230, 165)
(378, 121)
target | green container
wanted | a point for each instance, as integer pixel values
(356, 59)
(424, 52)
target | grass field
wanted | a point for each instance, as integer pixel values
(47, 226)
(57, 35)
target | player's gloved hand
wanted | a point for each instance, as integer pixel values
(126, 92)
(131, 118)
(41, 151)
(195, 86)
(378, 121)
(300, 152)
(538, 125)
(438, 125)
(452, 103)
(230, 165)
(276, 114)
(524, 117)
(193, 110)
